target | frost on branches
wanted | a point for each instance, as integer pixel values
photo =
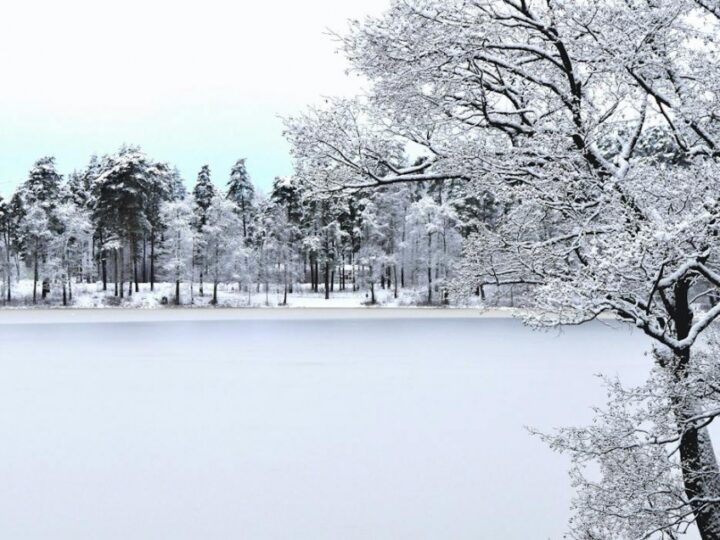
(595, 127)
(627, 465)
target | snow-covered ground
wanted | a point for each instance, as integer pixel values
(91, 295)
(287, 427)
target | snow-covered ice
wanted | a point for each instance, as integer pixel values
(294, 428)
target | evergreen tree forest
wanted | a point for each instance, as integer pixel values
(127, 224)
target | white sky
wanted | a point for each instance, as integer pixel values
(191, 82)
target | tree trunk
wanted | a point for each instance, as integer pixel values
(341, 276)
(395, 281)
(285, 283)
(64, 292)
(103, 268)
(701, 474)
(115, 270)
(152, 261)
(429, 269)
(353, 277)
(144, 259)
(135, 268)
(8, 266)
(327, 279)
(177, 292)
(35, 276)
(122, 272)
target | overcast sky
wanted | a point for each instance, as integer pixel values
(191, 82)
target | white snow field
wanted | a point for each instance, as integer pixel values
(294, 427)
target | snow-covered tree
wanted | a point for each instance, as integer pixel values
(179, 240)
(241, 191)
(70, 247)
(223, 241)
(6, 249)
(40, 194)
(430, 222)
(126, 197)
(203, 194)
(43, 184)
(36, 231)
(550, 107)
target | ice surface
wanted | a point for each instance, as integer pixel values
(294, 429)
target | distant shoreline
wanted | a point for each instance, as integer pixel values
(114, 314)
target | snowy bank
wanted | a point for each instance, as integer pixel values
(111, 315)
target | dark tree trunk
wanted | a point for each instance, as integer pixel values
(135, 268)
(115, 270)
(177, 292)
(122, 272)
(152, 261)
(8, 266)
(313, 272)
(701, 474)
(327, 280)
(35, 276)
(395, 281)
(103, 268)
(353, 277)
(285, 283)
(429, 269)
(144, 259)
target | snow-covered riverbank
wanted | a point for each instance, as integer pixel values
(118, 315)
(229, 295)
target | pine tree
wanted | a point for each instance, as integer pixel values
(178, 191)
(43, 184)
(126, 197)
(203, 193)
(241, 191)
(5, 248)
(41, 193)
(79, 184)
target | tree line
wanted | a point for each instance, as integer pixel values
(126, 220)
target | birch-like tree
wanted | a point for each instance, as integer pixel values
(179, 241)
(223, 241)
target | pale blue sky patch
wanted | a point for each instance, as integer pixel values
(190, 84)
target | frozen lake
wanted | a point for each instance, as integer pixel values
(388, 428)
